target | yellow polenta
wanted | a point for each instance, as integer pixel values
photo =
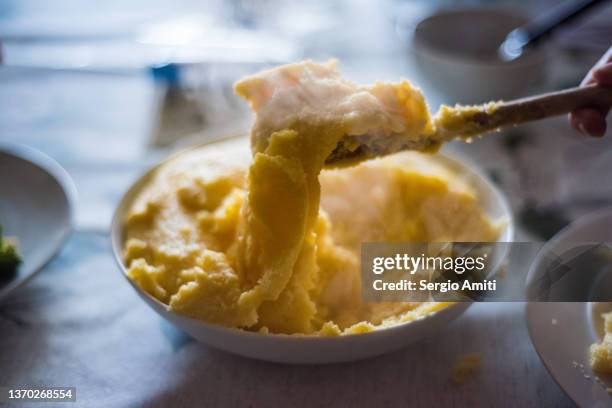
(601, 353)
(270, 240)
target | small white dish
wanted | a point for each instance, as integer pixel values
(562, 332)
(36, 206)
(309, 349)
(462, 65)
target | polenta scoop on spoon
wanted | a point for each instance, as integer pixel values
(465, 122)
(371, 121)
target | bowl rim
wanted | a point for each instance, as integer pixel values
(49, 165)
(561, 237)
(418, 46)
(534, 311)
(116, 237)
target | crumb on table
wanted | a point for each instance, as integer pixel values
(465, 367)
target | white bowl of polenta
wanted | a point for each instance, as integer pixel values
(190, 237)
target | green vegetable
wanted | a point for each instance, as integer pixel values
(9, 257)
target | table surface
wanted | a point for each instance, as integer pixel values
(80, 324)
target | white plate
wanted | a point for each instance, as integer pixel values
(36, 206)
(563, 332)
(309, 349)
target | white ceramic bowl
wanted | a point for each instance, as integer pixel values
(311, 349)
(562, 332)
(455, 51)
(36, 206)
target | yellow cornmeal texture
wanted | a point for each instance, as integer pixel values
(465, 368)
(273, 245)
(601, 353)
(461, 118)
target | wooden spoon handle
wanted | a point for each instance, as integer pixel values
(544, 106)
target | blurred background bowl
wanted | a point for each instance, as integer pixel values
(36, 208)
(454, 56)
